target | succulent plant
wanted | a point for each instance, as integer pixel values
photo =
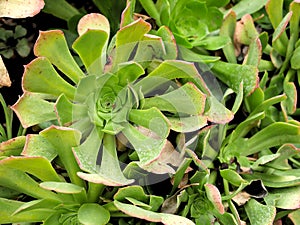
(138, 94)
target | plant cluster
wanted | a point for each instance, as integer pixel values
(203, 103)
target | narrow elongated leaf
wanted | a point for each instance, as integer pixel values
(62, 187)
(213, 194)
(41, 77)
(53, 45)
(32, 110)
(61, 9)
(167, 219)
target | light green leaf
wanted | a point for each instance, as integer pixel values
(32, 110)
(62, 187)
(63, 139)
(41, 77)
(186, 99)
(37, 145)
(187, 124)
(12, 146)
(212, 43)
(167, 219)
(232, 177)
(109, 172)
(247, 7)
(93, 214)
(233, 74)
(8, 207)
(53, 45)
(152, 119)
(285, 198)
(95, 60)
(129, 72)
(260, 214)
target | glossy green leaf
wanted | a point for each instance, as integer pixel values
(290, 103)
(32, 110)
(281, 27)
(41, 77)
(217, 112)
(52, 45)
(129, 72)
(147, 147)
(167, 219)
(234, 74)
(260, 214)
(36, 204)
(93, 214)
(295, 59)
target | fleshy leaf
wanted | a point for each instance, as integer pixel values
(93, 214)
(12, 146)
(129, 72)
(186, 99)
(147, 147)
(63, 139)
(95, 60)
(33, 165)
(20, 181)
(109, 172)
(167, 219)
(234, 74)
(152, 119)
(4, 77)
(53, 45)
(32, 110)
(41, 77)
(8, 207)
(285, 198)
(260, 214)
(93, 21)
(17, 8)
(213, 194)
(62, 187)
(188, 124)
(37, 145)
(248, 7)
